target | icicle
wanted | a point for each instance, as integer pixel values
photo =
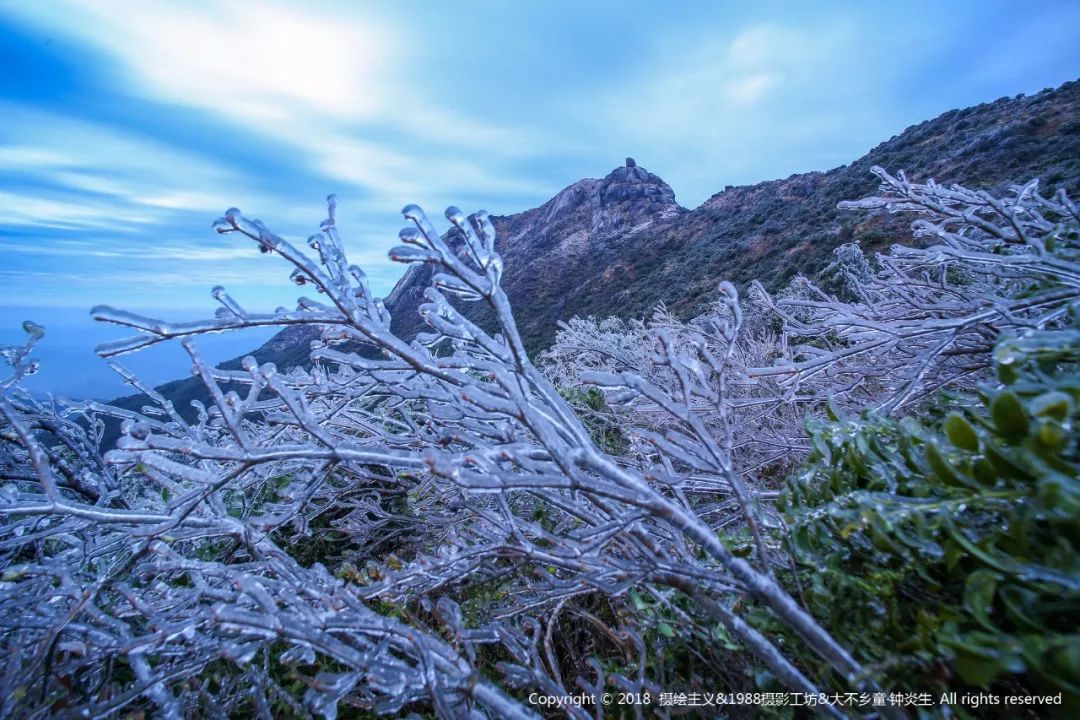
(406, 254)
(479, 250)
(228, 222)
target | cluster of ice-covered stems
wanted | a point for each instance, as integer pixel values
(758, 424)
(462, 421)
(928, 316)
(882, 337)
(77, 467)
(109, 598)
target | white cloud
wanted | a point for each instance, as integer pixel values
(92, 249)
(749, 89)
(137, 251)
(68, 213)
(75, 174)
(84, 157)
(762, 45)
(745, 104)
(323, 82)
(753, 64)
(258, 61)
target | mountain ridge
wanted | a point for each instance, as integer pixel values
(619, 245)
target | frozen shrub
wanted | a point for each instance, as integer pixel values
(207, 567)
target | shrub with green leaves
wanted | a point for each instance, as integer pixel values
(946, 557)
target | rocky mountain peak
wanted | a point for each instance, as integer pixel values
(628, 199)
(631, 182)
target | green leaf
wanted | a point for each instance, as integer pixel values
(1005, 465)
(980, 657)
(983, 471)
(953, 554)
(1052, 435)
(975, 665)
(1053, 404)
(800, 540)
(831, 412)
(1017, 602)
(979, 591)
(720, 634)
(942, 467)
(961, 433)
(1009, 416)
(1007, 374)
(1067, 660)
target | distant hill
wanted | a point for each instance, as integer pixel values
(621, 244)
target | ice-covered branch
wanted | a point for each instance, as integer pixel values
(306, 542)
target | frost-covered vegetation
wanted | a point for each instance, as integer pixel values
(774, 496)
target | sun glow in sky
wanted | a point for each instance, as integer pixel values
(127, 127)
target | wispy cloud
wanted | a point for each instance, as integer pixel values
(38, 211)
(323, 82)
(89, 250)
(164, 113)
(87, 170)
(748, 105)
(259, 61)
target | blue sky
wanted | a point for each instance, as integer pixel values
(127, 127)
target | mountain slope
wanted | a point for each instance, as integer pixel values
(563, 260)
(621, 244)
